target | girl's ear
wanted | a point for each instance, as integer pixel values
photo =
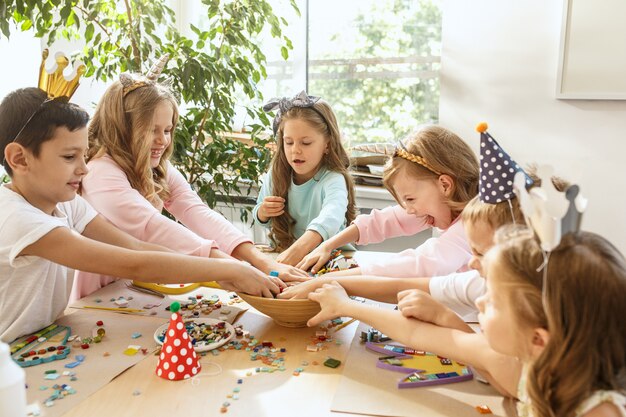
(446, 183)
(541, 337)
(16, 156)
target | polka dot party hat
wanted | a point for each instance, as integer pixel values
(497, 170)
(178, 360)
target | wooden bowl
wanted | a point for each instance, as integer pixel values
(287, 313)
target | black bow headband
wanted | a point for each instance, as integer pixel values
(284, 104)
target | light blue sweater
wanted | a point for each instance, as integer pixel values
(319, 204)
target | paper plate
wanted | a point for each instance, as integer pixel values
(200, 346)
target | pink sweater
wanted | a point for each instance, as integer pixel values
(107, 189)
(437, 256)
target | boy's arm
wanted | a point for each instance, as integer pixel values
(66, 247)
(101, 230)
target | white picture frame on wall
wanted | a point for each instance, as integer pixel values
(592, 54)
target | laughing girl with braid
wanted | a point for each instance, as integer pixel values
(432, 175)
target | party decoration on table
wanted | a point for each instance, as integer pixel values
(205, 333)
(421, 368)
(174, 289)
(46, 345)
(178, 360)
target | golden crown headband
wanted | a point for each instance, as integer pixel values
(54, 83)
(129, 84)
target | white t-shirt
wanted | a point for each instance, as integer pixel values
(459, 291)
(33, 290)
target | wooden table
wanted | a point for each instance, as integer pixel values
(262, 394)
(137, 391)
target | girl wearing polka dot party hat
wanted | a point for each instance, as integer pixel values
(178, 360)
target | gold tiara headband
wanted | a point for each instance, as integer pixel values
(395, 150)
(130, 84)
(403, 153)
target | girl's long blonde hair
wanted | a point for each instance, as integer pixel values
(444, 153)
(323, 120)
(122, 127)
(583, 308)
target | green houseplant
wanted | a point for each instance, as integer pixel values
(210, 69)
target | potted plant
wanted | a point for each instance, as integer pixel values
(209, 68)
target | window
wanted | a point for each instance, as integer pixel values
(375, 61)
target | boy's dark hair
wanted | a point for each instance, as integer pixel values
(45, 117)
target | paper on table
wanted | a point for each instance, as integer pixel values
(96, 370)
(119, 288)
(366, 389)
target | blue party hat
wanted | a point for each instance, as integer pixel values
(497, 170)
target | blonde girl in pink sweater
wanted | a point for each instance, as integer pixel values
(131, 181)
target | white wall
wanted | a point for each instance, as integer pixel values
(499, 65)
(22, 56)
(23, 53)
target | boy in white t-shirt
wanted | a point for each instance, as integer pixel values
(46, 229)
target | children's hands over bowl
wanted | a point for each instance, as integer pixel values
(316, 259)
(421, 305)
(288, 273)
(271, 206)
(331, 297)
(303, 289)
(251, 281)
(292, 255)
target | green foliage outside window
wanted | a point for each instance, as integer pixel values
(383, 99)
(209, 68)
